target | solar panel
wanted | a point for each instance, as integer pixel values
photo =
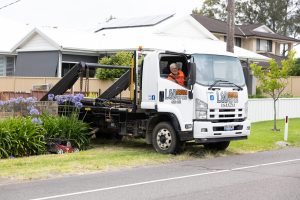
(135, 22)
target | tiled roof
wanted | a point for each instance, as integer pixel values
(277, 58)
(215, 25)
(218, 26)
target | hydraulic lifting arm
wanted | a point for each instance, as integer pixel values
(75, 72)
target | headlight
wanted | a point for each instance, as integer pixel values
(201, 109)
(246, 109)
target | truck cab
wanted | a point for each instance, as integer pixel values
(210, 109)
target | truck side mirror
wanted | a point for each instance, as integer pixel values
(191, 80)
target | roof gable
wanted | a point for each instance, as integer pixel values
(173, 26)
(263, 29)
(185, 27)
(135, 22)
(36, 40)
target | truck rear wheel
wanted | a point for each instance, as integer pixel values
(164, 138)
(217, 146)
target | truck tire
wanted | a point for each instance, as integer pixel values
(217, 146)
(164, 138)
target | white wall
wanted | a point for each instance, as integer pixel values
(262, 109)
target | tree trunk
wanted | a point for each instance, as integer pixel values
(275, 127)
(230, 25)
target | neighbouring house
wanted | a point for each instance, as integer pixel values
(257, 38)
(253, 37)
(51, 52)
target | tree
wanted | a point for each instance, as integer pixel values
(230, 25)
(119, 59)
(213, 8)
(274, 80)
(296, 69)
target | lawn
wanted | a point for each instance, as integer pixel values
(113, 155)
(262, 137)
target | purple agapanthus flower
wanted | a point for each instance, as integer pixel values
(79, 96)
(36, 121)
(76, 99)
(34, 111)
(2, 103)
(60, 99)
(78, 105)
(69, 97)
(31, 100)
(50, 97)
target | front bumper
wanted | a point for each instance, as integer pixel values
(232, 130)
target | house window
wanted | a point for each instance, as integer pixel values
(264, 45)
(2, 66)
(10, 65)
(237, 41)
(7, 65)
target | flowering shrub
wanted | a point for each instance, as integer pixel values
(67, 126)
(20, 137)
(18, 106)
(27, 135)
(68, 104)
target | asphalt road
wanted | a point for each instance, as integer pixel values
(266, 175)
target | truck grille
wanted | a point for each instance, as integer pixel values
(221, 128)
(226, 115)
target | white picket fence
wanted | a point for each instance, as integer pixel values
(262, 109)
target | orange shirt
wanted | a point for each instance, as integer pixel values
(179, 79)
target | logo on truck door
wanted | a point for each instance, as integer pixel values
(227, 99)
(176, 95)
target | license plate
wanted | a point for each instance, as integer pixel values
(229, 128)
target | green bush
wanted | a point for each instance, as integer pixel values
(67, 127)
(20, 137)
(259, 93)
(119, 59)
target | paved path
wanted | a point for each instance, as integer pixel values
(265, 175)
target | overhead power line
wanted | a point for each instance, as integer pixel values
(9, 4)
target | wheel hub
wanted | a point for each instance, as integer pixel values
(164, 139)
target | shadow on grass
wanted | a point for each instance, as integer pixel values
(190, 150)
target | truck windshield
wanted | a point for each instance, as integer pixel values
(210, 69)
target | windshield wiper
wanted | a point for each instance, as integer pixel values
(224, 82)
(239, 87)
(216, 82)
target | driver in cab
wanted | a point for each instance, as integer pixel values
(176, 75)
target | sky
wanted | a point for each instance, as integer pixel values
(88, 14)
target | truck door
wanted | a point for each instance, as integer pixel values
(173, 97)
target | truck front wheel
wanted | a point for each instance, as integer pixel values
(217, 146)
(164, 138)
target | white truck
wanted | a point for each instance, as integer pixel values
(210, 109)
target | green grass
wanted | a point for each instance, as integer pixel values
(262, 137)
(113, 155)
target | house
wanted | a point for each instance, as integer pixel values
(171, 33)
(257, 38)
(51, 52)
